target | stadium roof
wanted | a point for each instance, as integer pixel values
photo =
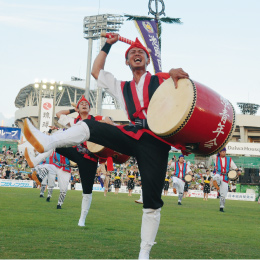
(71, 92)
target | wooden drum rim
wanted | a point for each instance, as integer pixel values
(187, 114)
(94, 148)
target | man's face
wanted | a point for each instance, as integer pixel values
(137, 58)
(181, 159)
(84, 107)
(222, 153)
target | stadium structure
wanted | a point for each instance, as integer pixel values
(28, 99)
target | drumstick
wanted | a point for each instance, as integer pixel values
(73, 104)
(120, 38)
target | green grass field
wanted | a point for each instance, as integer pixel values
(32, 228)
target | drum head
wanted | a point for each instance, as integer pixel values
(188, 178)
(94, 148)
(73, 164)
(170, 108)
(232, 175)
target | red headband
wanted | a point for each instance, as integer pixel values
(82, 99)
(137, 44)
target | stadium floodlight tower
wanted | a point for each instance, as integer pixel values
(248, 108)
(93, 26)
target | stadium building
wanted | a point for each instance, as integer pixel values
(28, 101)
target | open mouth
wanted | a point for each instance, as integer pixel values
(137, 60)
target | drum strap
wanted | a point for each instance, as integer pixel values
(141, 123)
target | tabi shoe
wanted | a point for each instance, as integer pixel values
(38, 175)
(85, 205)
(41, 196)
(140, 201)
(48, 199)
(179, 203)
(216, 185)
(33, 161)
(58, 206)
(37, 179)
(76, 134)
(221, 210)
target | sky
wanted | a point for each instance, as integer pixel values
(218, 43)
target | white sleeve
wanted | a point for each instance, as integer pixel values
(65, 120)
(173, 165)
(188, 169)
(107, 81)
(233, 165)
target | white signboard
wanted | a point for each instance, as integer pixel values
(241, 196)
(46, 114)
(16, 183)
(243, 148)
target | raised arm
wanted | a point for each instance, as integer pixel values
(66, 112)
(100, 60)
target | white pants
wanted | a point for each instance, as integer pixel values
(63, 179)
(50, 178)
(178, 184)
(223, 188)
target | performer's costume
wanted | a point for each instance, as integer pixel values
(117, 181)
(131, 181)
(58, 165)
(178, 182)
(86, 161)
(136, 140)
(166, 183)
(104, 170)
(206, 188)
(222, 167)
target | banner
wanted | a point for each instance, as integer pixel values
(243, 148)
(10, 133)
(46, 114)
(16, 183)
(148, 31)
(241, 196)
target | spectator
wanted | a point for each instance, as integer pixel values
(3, 149)
(7, 173)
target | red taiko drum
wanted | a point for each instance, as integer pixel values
(192, 115)
(105, 152)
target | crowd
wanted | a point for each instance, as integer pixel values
(13, 165)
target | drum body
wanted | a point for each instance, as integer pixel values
(232, 175)
(105, 152)
(193, 117)
(188, 178)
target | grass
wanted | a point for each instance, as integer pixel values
(31, 228)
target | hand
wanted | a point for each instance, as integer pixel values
(107, 120)
(177, 74)
(53, 127)
(113, 38)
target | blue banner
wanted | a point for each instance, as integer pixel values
(148, 31)
(10, 133)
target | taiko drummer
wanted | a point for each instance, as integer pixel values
(223, 165)
(135, 140)
(181, 171)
